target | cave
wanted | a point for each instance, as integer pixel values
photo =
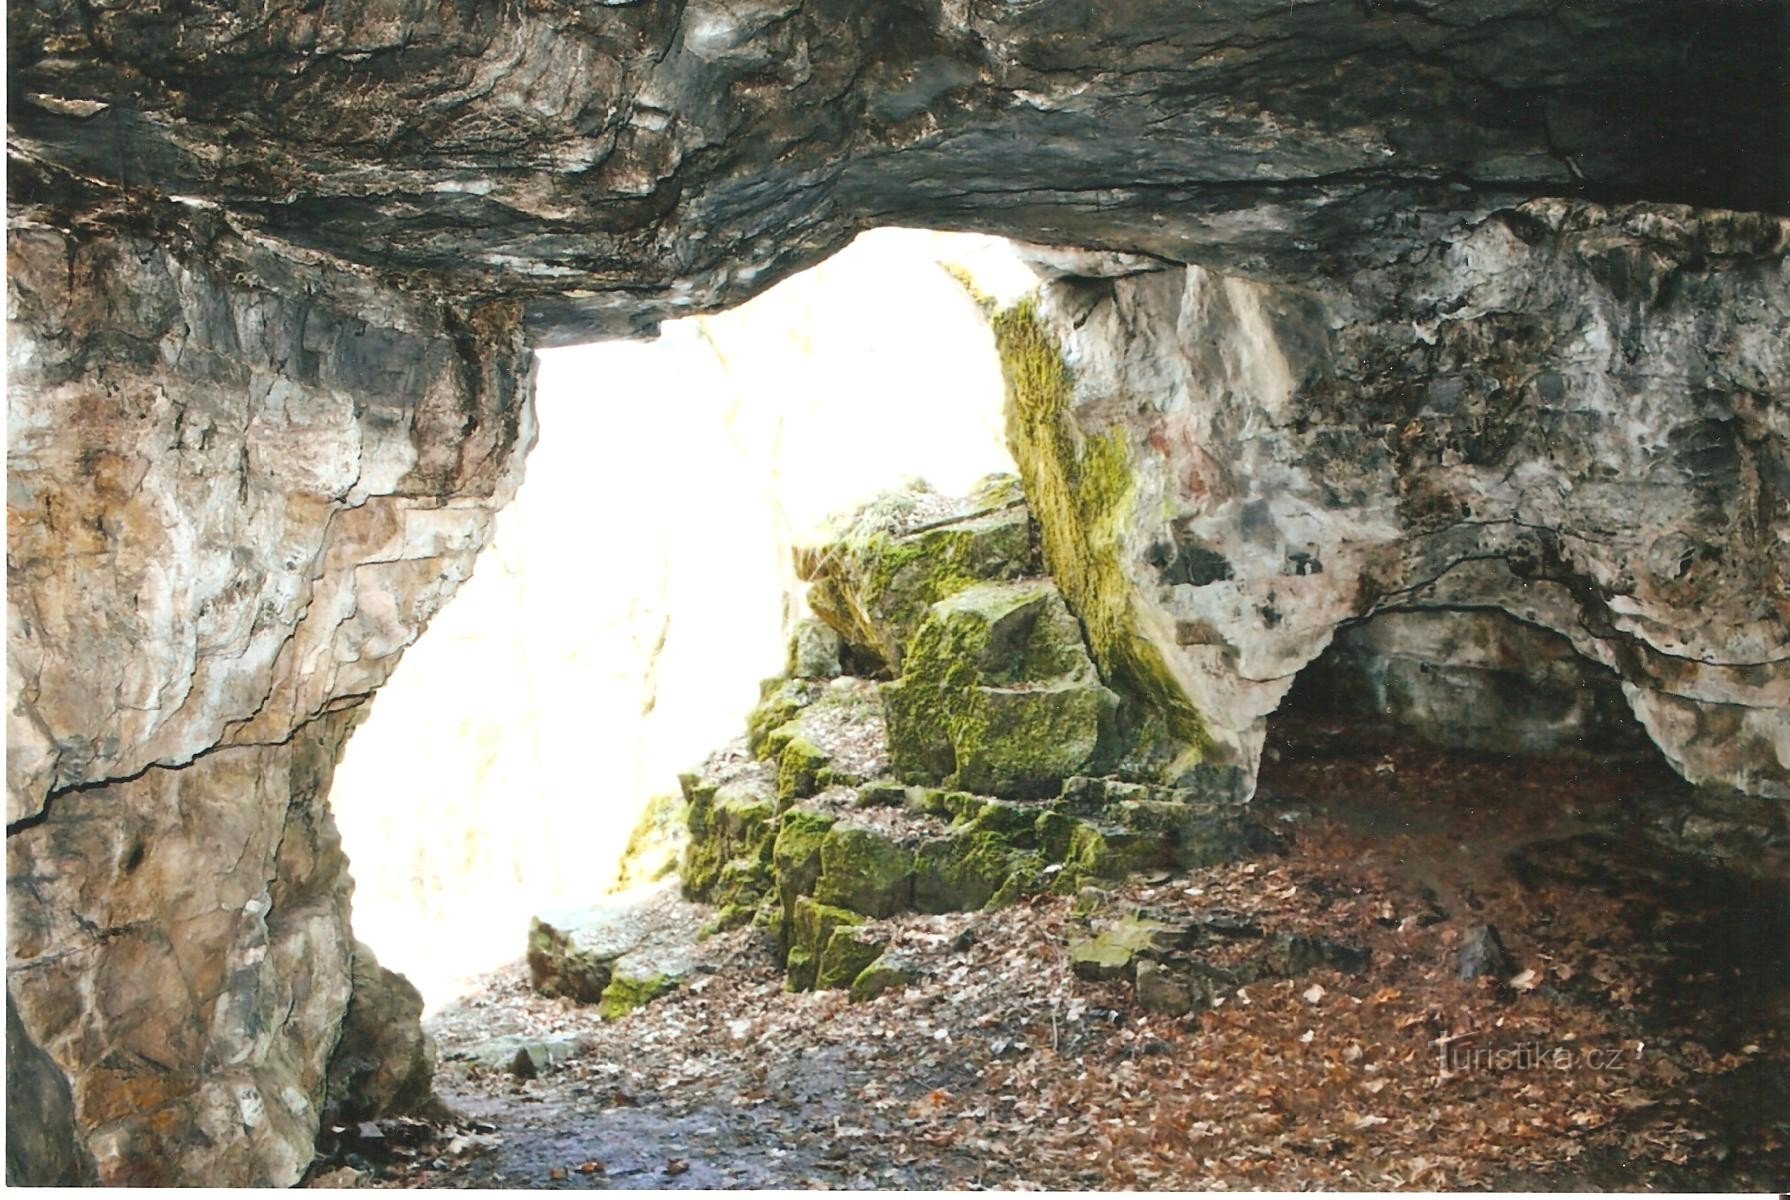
(1347, 314)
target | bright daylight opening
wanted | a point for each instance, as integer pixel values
(640, 587)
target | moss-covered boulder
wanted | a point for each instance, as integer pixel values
(874, 578)
(812, 926)
(888, 972)
(780, 701)
(639, 979)
(865, 870)
(1112, 951)
(617, 954)
(801, 767)
(998, 695)
(795, 855)
(730, 837)
(972, 868)
(848, 951)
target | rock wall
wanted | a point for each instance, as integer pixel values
(1572, 414)
(240, 484)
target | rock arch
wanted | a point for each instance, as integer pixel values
(274, 279)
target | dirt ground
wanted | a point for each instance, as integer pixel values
(1639, 1039)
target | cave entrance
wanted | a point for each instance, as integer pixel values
(638, 589)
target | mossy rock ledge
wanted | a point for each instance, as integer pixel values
(984, 764)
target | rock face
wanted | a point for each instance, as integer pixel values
(614, 164)
(274, 273)
(240, 484)
(384, 1062)
(1535, 416)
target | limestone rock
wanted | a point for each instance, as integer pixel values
(1225, 471)
(812, 931)
(229, 515)
(1483, 953)
(657, 844)
(730, 838)
(42, 1152)
(177, 990)
(1114, 951)
(814, 650)
(889, 972)
(864, 871)
(997, 694)
(874, 582)
(1193, 135)
(849, 951)
(523, 1057)
(618, 954)
(384, 1064)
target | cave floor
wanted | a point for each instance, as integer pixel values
(1643, 1027)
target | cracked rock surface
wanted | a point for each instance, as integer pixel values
(1571, 414)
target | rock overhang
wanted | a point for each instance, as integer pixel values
(611, 166)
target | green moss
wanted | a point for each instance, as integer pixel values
(883, 975)
(780, 702)
(865, 871)
(795, 859)
(1051, 833)
(967, 282)
(625, 994)
(728, 825)
(1080, 490)
(997, 694)
(812, 927)
(1107, 853)
(847, 952)
(799, 767)
(874, 585)
(656, 844)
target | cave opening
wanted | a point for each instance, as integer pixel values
(638, 590)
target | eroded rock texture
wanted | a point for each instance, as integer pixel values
(1571, 414)
(233, 502)
(273, 270)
